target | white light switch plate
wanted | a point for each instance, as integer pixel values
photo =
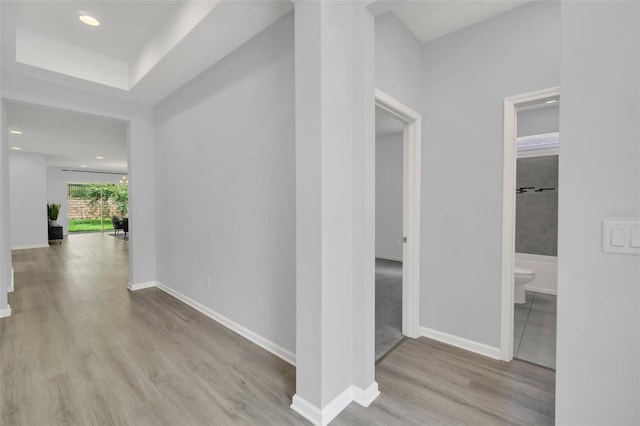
(618, 237)
(635, 238)
(621, 237)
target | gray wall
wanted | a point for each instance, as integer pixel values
(538, 121)
(598, 349)
(398, 53)
(537, 212)
(467, 75)
(226, 187)
(389, 186)
(28, 199)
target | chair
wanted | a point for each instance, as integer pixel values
(117, 224)
(125, 227)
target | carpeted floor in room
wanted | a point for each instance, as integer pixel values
(388, 305)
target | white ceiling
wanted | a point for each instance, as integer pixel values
(120, 34)
(144, 50)
(69, 139)
(430, 19)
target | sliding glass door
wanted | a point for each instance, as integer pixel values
(91, 206)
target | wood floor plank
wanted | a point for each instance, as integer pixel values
(80, 349)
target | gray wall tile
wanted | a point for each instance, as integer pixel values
(537, 212)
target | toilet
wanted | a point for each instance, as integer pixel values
(522, 276)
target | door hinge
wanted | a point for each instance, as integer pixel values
(404, 239)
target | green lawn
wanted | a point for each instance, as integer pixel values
(86, 225)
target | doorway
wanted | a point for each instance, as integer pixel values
(58, 146)
(389, 232)
(407, 243)
(536, 246)
(537, 155)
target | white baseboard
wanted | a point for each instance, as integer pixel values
(307, 410)
(322, 417)
(394, 258)
(5, 312)
(265, 344)
(462, 343)
(339, 403)
(141, 286)
(30, 247)
(366, 396)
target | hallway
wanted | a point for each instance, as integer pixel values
(81, 349)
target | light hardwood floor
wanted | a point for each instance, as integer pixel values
(80, 349)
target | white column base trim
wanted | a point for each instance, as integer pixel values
(329, 412)
(323, 417)
(265, 344)
(366, 396)
(462, 343)
(5, 312)
(141, 286)
(307, 410)
(11, 287)
(30, 247)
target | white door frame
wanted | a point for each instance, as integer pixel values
(509, 210)
(411, 210)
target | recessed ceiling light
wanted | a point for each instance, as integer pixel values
(15, 132)
(99, 158)
(89, 20)
(16, 148)
(552, 101)
(83, 165)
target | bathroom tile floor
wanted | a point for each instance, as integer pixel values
(534, 330)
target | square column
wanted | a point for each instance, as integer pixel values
(334, 208)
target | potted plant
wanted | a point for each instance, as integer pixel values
(52, 213)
